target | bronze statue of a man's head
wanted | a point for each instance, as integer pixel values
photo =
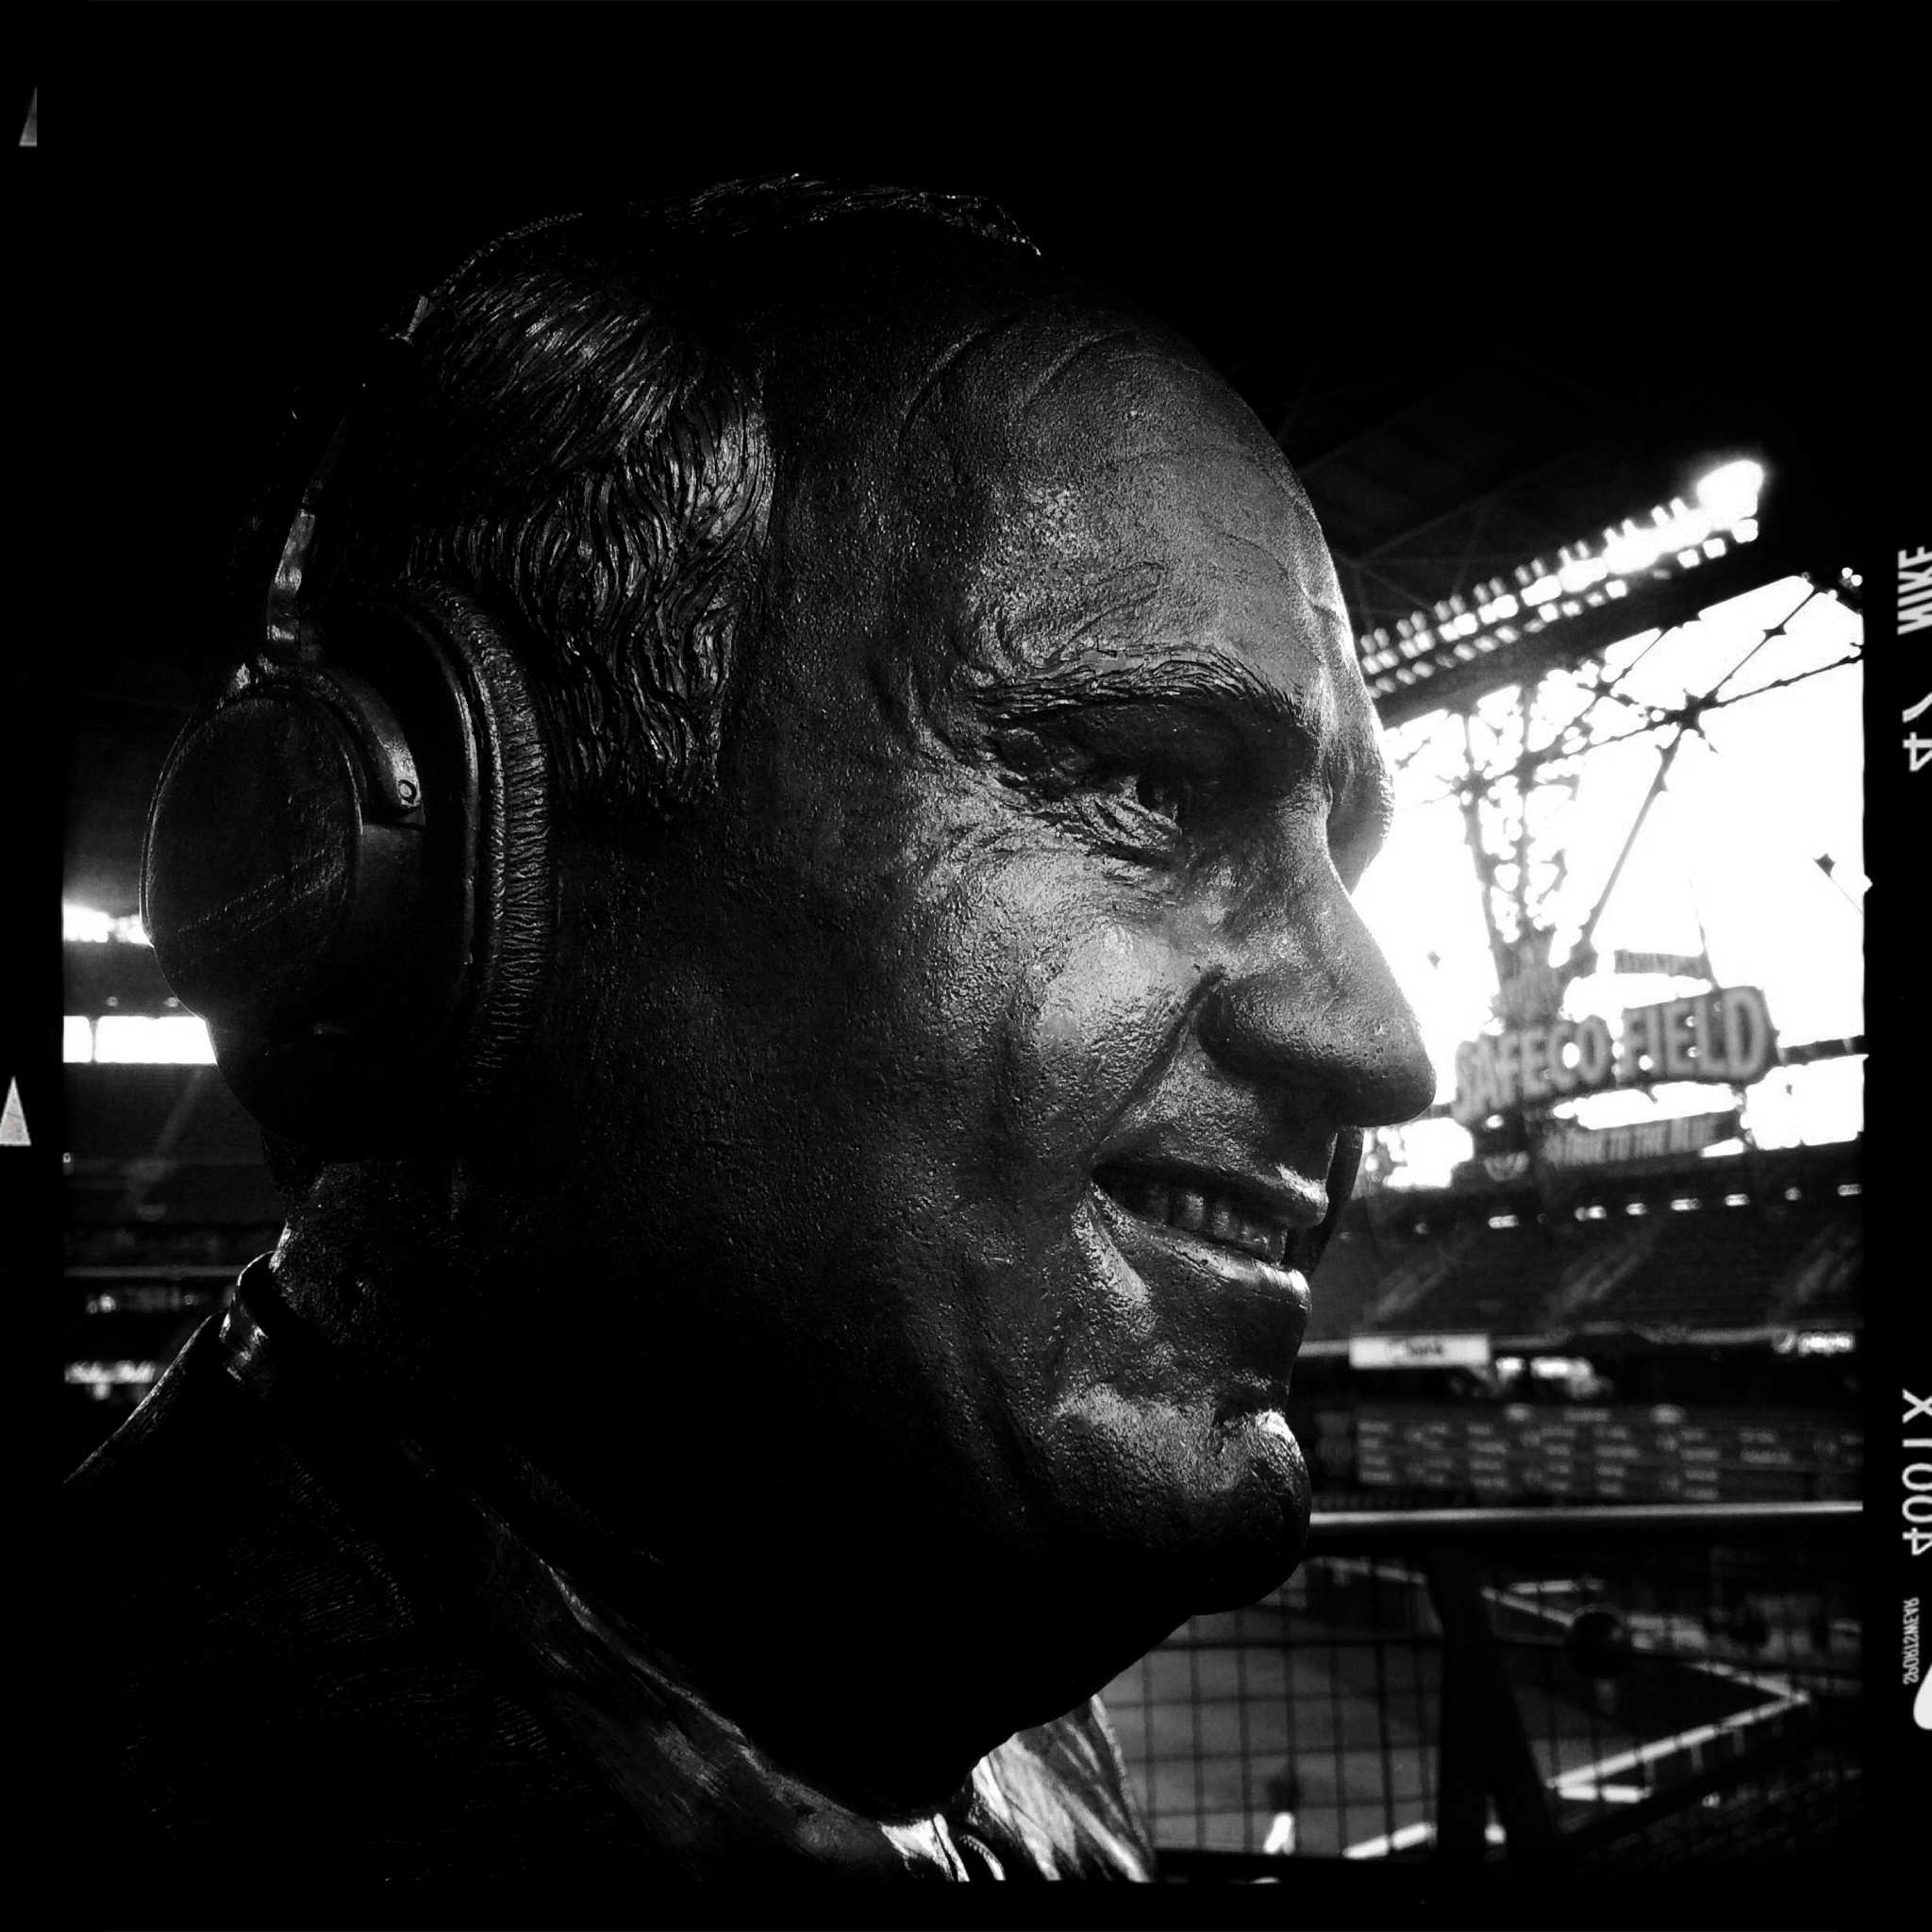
(897, 1202)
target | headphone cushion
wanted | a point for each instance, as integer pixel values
(514, 919)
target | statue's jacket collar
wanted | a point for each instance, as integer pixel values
(1051, 1803)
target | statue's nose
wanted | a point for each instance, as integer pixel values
(1308, 1002)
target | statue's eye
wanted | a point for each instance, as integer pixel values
(1163, 794)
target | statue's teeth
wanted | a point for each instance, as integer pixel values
(1219, 1218)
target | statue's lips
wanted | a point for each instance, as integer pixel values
(1217, 1263)
(1196, 1205)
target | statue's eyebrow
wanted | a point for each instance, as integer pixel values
(1199, 680)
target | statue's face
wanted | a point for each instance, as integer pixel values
(954, 1084)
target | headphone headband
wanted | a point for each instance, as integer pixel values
(282, 606)
(346, 865)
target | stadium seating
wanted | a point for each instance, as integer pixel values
(1496, 1280)
(1823, 1286)
(1714, 1268)
(1753, 1247)
(1348, 1281)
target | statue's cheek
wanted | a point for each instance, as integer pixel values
(1094, 1027)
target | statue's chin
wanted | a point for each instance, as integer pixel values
(1188, 1514)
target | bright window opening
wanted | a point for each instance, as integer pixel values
(177, 1039)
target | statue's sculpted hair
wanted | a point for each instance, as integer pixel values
(575, 438)
(578, 442)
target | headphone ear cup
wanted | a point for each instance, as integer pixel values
(347, 875)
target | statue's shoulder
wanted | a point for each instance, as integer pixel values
(258, 1689)
(196, 1525)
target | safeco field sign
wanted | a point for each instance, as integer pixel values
(1723, 1035)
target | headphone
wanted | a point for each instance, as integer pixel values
(346, 869)
(1345, 1170)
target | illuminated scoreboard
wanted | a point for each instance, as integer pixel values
(1620, 1455)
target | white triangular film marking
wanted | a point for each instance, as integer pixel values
(14, 1121)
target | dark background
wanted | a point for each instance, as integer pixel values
(1533, 225)
(1356, 211)
(1406, 186)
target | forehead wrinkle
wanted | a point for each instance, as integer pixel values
(1284, 553)
(1280, 478)
(1058, 618)
(976, 338)
(1180, 443)
(1184, 434)
(1071, 358)
(1287, 572)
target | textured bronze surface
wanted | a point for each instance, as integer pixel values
(850, 1315)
